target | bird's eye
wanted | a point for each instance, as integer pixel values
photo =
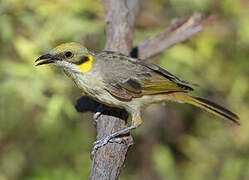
(68, 54)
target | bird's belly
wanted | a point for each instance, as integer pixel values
(96, 91)
(106, 98)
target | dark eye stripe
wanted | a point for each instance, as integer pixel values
(82, 60)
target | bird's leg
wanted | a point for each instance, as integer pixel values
(136, 121)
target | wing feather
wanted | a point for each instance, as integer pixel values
(134, 78)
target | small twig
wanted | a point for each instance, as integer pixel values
(180, 30)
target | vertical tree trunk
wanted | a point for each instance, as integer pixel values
(120, 20)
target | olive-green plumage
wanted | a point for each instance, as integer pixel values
(121, 81)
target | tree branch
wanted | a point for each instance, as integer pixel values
(180, 30)
(120, 20)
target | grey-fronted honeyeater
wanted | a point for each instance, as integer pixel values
(128, 83)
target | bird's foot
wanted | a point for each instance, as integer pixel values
(103, 142)
(110, 138)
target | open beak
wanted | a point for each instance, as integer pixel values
(45, 59)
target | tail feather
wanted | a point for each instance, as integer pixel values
(209, 106)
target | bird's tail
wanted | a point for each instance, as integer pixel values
(209, 106)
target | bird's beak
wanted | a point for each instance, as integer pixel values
(45, 59)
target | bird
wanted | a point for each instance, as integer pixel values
(121, 81)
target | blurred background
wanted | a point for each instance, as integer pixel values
(42, 137)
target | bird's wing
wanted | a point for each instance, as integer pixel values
(127, 78)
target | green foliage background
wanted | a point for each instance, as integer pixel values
(42, 137)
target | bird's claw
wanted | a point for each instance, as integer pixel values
(111, 138)
(96, 115)
(117, 140)
(103, 142)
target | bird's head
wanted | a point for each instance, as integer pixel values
(70, 56)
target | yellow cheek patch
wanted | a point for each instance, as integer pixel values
(87, 66)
